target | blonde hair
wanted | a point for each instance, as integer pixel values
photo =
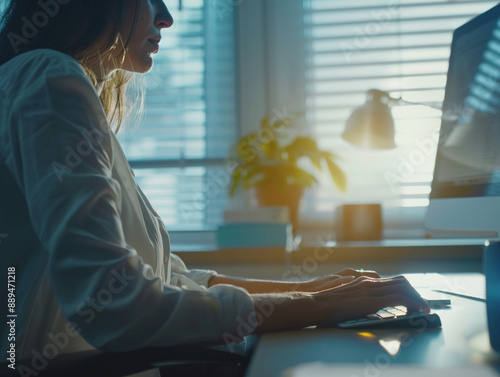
(76, 30)
(114, 98)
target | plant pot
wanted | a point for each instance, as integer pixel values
(290, 197)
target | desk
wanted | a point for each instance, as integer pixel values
(461, 343)
(326, 250)
(323, 257)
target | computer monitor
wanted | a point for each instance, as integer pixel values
(465, 193)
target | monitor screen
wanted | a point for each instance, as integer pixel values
(466, 185)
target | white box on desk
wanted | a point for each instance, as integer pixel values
(267, 214)
(255, 235)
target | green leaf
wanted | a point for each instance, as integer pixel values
(301, 145)
(284, 121)
(236, 182)
(303, 178)
(272, 150)
(305, 147)
(264, 122)
(338, 176)
(330, 156)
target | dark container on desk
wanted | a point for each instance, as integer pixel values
(491, 270)
(359, 222)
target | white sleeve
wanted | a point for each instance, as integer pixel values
(180, 274)
(100, 282)
(200, 277)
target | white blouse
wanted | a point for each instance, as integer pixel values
(92, 258)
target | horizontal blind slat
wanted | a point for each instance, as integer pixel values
(369, 5)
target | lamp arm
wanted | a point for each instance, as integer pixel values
(401, 102)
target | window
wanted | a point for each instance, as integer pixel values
(227, 63)
(178, 152)
(291, 55)
(349, 47)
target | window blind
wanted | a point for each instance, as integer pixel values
(398, 46)
(178, 152)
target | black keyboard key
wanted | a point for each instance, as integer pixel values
(384, 319)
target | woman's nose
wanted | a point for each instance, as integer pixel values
(163, 17)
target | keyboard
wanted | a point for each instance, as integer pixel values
(394, 317)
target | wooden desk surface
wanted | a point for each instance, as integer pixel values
(386, 257)
(461, 342)
(331, 251)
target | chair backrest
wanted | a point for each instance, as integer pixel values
(106, 364)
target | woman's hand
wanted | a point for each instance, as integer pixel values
(355, 298)
(365, 295)
(334, 280)
(358, 273)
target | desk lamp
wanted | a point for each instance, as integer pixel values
(369, 126)
(372, 125)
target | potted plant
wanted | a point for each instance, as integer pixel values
(275, 168)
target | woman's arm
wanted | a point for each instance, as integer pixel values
(64, 161)
(256, 286)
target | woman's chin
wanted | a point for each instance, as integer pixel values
(139, 66)
(147, 65)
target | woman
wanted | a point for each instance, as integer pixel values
(91, 257)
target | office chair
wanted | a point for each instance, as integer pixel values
(190, 359)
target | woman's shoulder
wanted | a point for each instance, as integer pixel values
(42, 56)
(40, 64)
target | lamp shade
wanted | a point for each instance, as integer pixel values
(371, 125)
